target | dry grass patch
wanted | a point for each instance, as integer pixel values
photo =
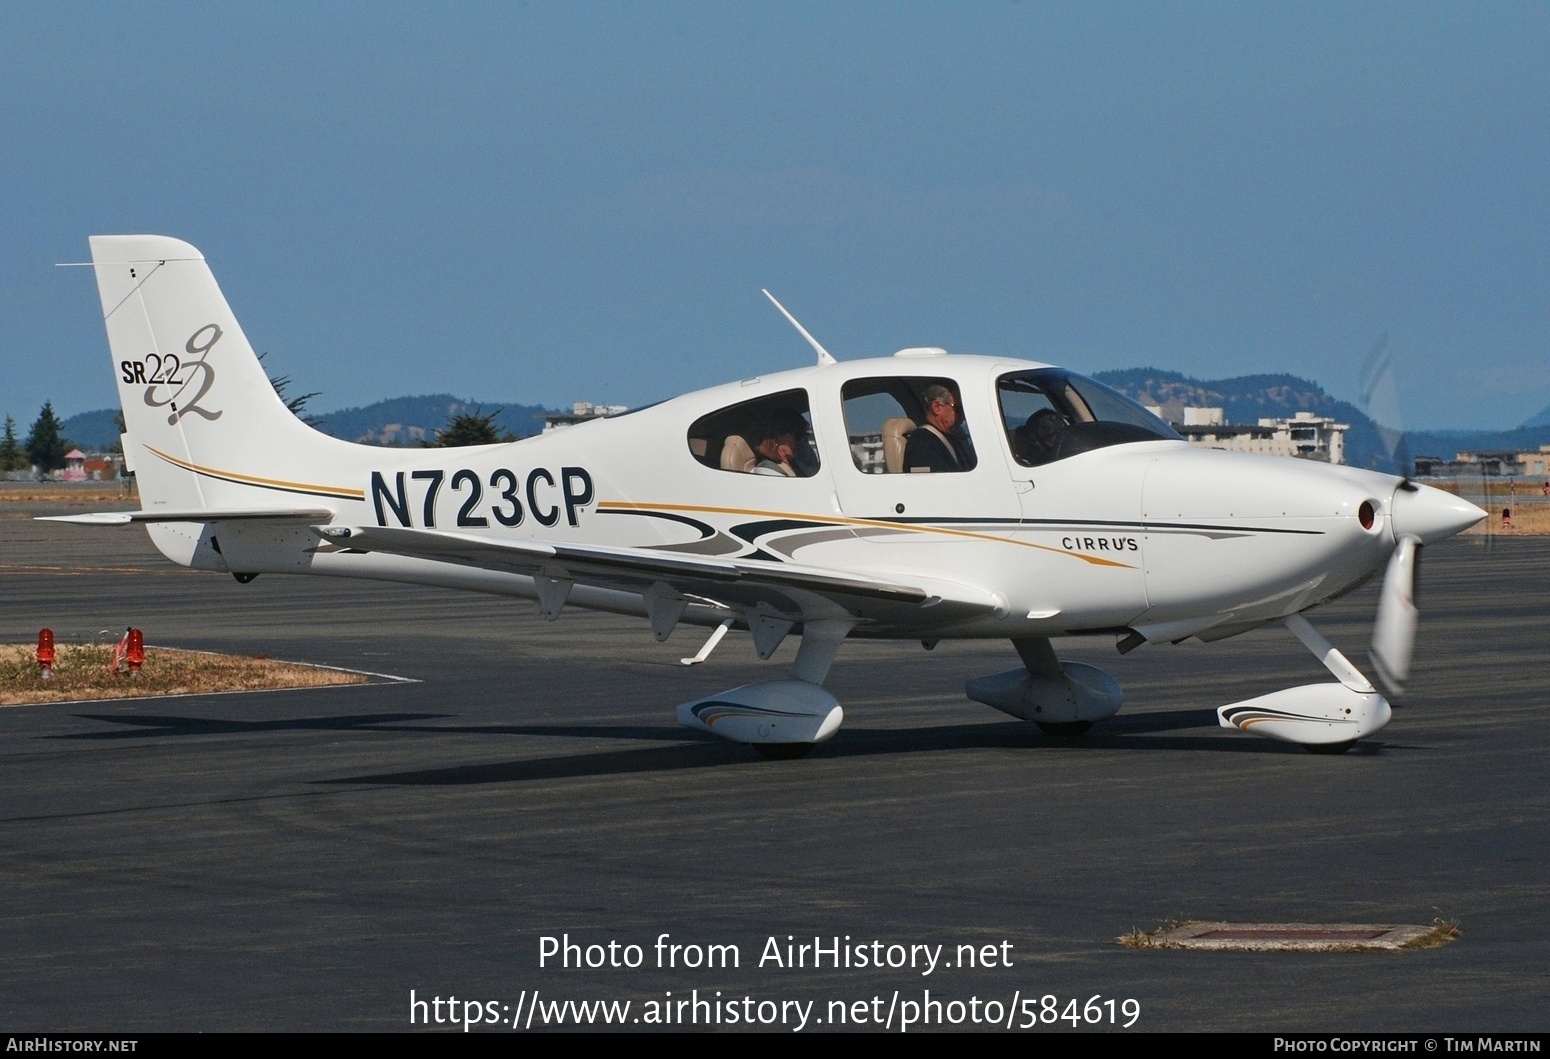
(1530, 511)
(1529, 520)
(84, 671)
(1147, 939)
(66, 492)
(1291, 937)
(1440, 934)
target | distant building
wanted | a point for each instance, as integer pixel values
(1486, 464)
(100, 466)
(1315, 437)
(396, 434)
(867, 451)
(580, 412)
(79, 467)
(88, 467)
(1535, 463)
(75, 470)
(1305, 435)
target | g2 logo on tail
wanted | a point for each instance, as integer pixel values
(161, 373)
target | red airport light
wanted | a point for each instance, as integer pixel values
(46, 653)
(136, 652)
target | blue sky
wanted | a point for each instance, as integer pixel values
(547, 203)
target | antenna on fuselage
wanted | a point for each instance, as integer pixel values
(824, 357)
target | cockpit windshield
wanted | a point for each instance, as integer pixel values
(1051, 414)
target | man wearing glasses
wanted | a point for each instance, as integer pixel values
(934, 446)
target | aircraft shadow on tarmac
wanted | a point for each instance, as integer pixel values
(704, 752)
(691, 750)
(147, 726)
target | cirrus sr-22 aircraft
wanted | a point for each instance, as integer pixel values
(921, 497)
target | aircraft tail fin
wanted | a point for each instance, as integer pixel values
(205, 426)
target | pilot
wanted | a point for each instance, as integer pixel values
(934, 445)
(1037, 439)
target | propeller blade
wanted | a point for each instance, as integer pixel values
(1393, 633)
(1380, 400)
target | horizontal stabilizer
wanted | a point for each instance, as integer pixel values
(200, 514)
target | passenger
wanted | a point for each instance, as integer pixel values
(933, 446)
(776, 451)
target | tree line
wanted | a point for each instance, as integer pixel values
(466, 428)
(44, 448)
(46, 445)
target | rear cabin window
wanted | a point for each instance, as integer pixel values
(770, 436)
(883, 417)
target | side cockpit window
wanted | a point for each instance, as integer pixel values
(1050, 414)
(769, 435)
(904, 425)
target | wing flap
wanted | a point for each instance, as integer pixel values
(704, 575)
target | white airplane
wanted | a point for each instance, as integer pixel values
(920, 497)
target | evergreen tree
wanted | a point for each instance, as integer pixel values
(297, 405)
(11, 456)
(45, 447)
(472, 428)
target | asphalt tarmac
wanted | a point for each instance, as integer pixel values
(302, 860)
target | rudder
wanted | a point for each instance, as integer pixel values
(193, 392)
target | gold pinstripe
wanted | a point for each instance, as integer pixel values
(248, 479)
(941, 531)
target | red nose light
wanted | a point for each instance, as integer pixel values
(1365, 514)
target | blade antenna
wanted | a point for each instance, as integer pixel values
(824, 357)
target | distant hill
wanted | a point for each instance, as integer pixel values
(411, 420)
(1248, 398)
(1448, 443)
(91, 431)
(1245, 399)
(398, 421)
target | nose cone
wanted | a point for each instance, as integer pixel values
(1431, 514)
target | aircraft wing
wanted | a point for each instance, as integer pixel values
(800, 590)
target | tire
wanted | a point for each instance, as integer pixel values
(784, 751)
(1065, 729)
(1329, 748)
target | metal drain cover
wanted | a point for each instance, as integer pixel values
(1304, 937)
